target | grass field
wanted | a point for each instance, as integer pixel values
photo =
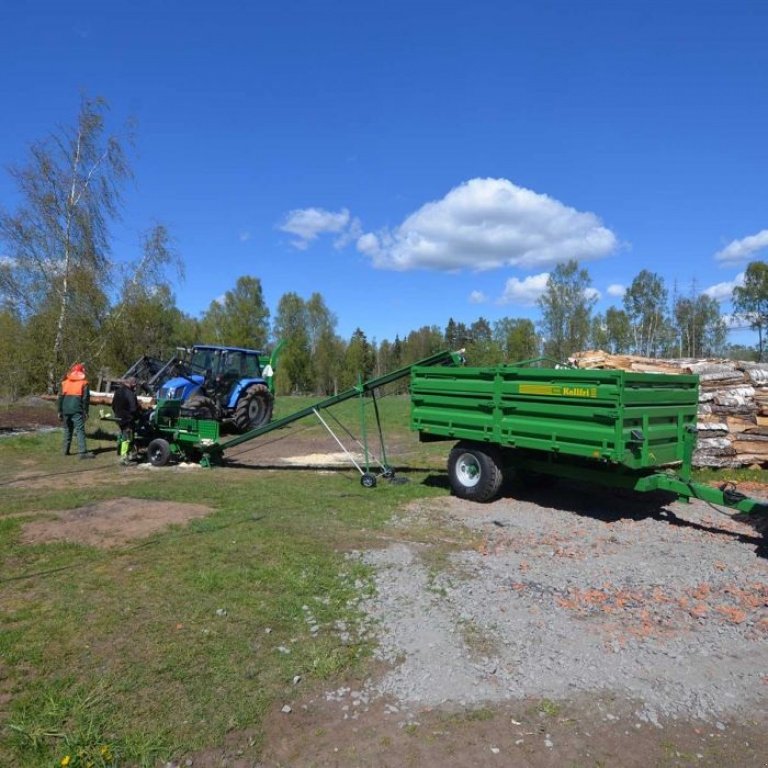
(163, 646)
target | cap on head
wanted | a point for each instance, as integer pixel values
(78, 368)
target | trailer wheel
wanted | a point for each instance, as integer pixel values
(475, 471)
(158, 452)
(254, 408)
(368, 480)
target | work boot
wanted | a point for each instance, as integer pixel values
(88, 455)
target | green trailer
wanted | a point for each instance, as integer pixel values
(611, 428)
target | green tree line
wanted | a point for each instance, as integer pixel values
(63, 298)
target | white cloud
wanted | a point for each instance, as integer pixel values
(349, 234)
(723, 291)
(591, 293)
(308, 223)
(485, 224)
(525, 291)
(477, 297)
(244, 236)
(616, 289)
(737, 250)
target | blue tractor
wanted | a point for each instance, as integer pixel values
(229, 384)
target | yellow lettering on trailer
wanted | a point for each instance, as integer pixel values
(557, 391)
(538, 389)
(580, 391)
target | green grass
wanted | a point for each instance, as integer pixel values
(163, 647)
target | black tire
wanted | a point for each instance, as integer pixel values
(198, 407)
(158, 452)
(475, 471)
(368, 480)
(254, 408)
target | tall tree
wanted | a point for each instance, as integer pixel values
(421, 343)
(144, 320)
(295, 374)
(240, 319)
(618, 330)
(482, 349)
(324, 345)
(58, 239)
(751, 300)
(699, 325)
(516, 339)
(359, 359)
(645, 303)
(566, 307)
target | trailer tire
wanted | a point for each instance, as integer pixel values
(254, 408)
(158, 452)
(475, 471)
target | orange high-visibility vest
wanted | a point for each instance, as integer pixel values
(71, 388)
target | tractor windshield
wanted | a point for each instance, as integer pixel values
(241, 364)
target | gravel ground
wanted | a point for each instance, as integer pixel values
(571, 593)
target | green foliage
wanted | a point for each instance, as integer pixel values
(566, 307)
(645, 303)
(359, 360)
(58, 239)
(241, 319)
(700, 328)
(516, 339)
(751, 300)
(292, 327)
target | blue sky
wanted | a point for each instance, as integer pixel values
(415, 161)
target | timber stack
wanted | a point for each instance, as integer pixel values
(733, 404)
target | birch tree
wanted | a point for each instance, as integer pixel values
(56, 244)
(566, 309)
(645, 303)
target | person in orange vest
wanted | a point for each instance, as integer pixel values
(74, 399)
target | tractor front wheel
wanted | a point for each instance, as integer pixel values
(158, 452)
(475, 471)
(254, 408)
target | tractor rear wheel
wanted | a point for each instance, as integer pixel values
(199, 407)
(254, 408)
(475, 471)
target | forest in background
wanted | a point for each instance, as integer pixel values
(63, 298)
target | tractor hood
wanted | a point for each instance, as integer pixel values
(180, 387)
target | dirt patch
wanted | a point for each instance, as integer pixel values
(111, 523)
(25, 418)
(535, 733)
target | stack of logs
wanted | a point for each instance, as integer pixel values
(733, 404)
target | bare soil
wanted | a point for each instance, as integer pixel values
(111, 523)
(28, 417)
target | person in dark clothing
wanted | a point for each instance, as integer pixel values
(125, 406)
(74, 400)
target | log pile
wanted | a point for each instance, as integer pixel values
(733, 404)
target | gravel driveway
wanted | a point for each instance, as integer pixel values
(568, 592)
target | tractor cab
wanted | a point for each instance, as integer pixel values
(223, 383)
